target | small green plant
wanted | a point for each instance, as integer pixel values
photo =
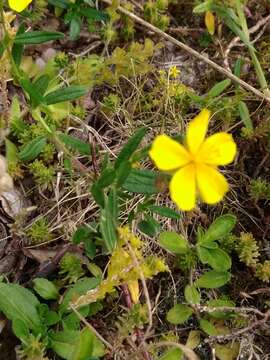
(154, 12)
(259, 189)
(43, 174)
(247, 249)
(263, 271)
(71, 267)
(39, 231)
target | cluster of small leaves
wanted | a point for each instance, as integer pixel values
(71, 267)
(259, 189)
(247, 249)
(263, 271)
(39, 231)
(154, 12)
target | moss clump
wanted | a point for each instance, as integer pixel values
(263, 271)
(71, 267)
(247, 249)
(39, 232)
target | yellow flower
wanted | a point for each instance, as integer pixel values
(174, 72)
(195, 165)
(19, 5)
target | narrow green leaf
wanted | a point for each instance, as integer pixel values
(173, 242)
(31, 150)
(17, 49)
(74, 28)
(130, 147)
(41, 84)
(37, 37)
(218, 88)
(108, 227)
(94, 14)
(244, 115)
(35, 97)
(62, 4)
(164, 211)
(11, 152)
(75, 144)
(179, 314)
(141, 181)
(65, 94)
(213, 279)
(149, 226)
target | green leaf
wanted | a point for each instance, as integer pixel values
(220, 228)
(17, 302)
(93, 14)
(65, 94)
(82, 234)
(46, 289)
(213, 279)
(192, 295)
(203, 7)
(20, 329)
(76, 345)
(41, 84)
(173, 242)
(35, 97)
(179, 314)
(142, 182)
(11, 152)
(164, 211)
(37, 37)
(218, 259)
(62, 4)
(84, 348)
(108, 229)
(17, 49)
(130, 147)
(31, 150)
(149, 226)
(74, 28)
(75, 144)
(208, 327)
(218, 88)
(244, 115)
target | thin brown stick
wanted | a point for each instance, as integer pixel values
(105, 342)
(191, 51)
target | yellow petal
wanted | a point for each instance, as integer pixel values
(197, 130)
(218, 149)
(211, 183)
(210, 22)
(134, 290)
(183, 188)
(168, 154)
(19, 5)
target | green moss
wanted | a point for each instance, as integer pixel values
(71, 267)
(42, 173)
(259, 189)
(39, 232)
